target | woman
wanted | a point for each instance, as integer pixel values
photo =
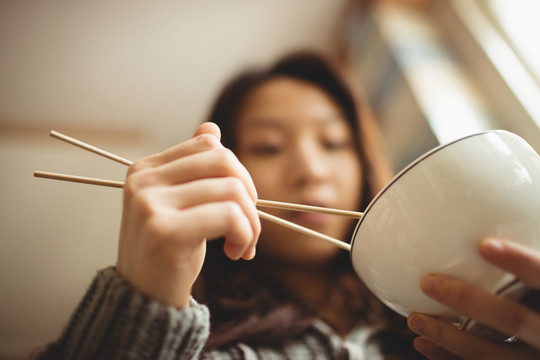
(299, 132)
(297, 135)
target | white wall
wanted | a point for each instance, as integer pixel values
(132, 77)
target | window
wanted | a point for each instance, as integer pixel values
(495, 39)
(518, 23)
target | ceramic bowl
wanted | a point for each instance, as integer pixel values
(432, 215)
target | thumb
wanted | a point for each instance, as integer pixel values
(208, 128)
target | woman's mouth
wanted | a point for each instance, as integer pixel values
(310, 220)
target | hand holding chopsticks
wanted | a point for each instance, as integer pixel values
(176, 200)
(260, 203)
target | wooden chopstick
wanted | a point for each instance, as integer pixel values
(85, 146)
(304, 230)
(260, 202)
(308, 208)
(263, 215)
(78, 179)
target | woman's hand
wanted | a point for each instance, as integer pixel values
(440, 340)
(173, 202)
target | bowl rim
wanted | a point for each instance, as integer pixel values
(407, 169)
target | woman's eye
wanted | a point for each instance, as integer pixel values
(336, 145)
(267, 149)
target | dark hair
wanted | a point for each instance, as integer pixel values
(243, 310)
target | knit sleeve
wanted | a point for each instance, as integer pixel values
(114, 321)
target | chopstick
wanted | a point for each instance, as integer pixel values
(260, 202)
(308, 208)
(88, 147)
(78, 179)
(341, 244)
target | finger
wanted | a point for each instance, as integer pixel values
(210, 221)
(205, 191)
(432, 351)
(224, 189)
(206, 137)
(514, 258)
(216, 163)
(444, 341)
(497, 312)
(209, 128)
(235, 227)
(199, 143)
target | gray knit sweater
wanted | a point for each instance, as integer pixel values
(113, 321)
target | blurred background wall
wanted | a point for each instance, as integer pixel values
(137, 77)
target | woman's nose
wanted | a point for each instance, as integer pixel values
(307, 163)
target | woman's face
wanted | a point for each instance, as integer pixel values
(294, 140)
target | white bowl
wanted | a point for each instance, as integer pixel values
(431, 216)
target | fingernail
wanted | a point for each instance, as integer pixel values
(252, 253)
(233, 251)
(431, 284)
(491, 247)
(416, 324)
